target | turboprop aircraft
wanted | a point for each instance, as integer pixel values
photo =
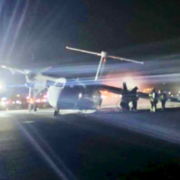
(67, 94)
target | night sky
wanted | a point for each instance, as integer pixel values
(42, 28)
(37, 31)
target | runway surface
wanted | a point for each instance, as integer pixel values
(102, 145)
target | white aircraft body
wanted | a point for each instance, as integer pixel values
(65, 94)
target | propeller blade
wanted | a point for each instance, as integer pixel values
(125, 59)
(12, 69)
(83, 51)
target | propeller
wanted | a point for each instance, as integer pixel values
(104, 55)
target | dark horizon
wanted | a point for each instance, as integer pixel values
(34, 34)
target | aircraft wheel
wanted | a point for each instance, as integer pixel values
(56, 113)
(35, 107)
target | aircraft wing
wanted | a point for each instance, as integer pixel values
(13, 69)
(117, 90)
(39, 76)
(111, 89)
(143, 95)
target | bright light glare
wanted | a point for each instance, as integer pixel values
(38, 101)
(18, 102)
(3, 98)
(80, 95)
(45, 96)
(130, 82)
(3, 103)
(103, 96)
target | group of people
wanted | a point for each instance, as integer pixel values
(129, 97)
(132, 97)
(154, 96)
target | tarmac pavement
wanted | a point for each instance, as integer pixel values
(101, 145)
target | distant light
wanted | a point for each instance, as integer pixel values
(18, 95)
(169, 92)
(31, 101)
(45, 96)
(18, 102)
(172, 95)
(27, 97)
(80, 95)
(38, 100)
(103, 96)
(3, 103)
(179, 92)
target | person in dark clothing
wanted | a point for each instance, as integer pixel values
(134, 99)
(163, 99)
(125, 102)
(125, 98)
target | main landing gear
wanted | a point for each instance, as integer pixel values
(56, 113)
(32, 107)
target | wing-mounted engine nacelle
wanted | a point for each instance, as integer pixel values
(29, 85)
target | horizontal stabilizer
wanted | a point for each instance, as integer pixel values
(104, 54)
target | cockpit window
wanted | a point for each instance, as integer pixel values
(58, 84)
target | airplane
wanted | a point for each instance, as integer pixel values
(66, 94)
